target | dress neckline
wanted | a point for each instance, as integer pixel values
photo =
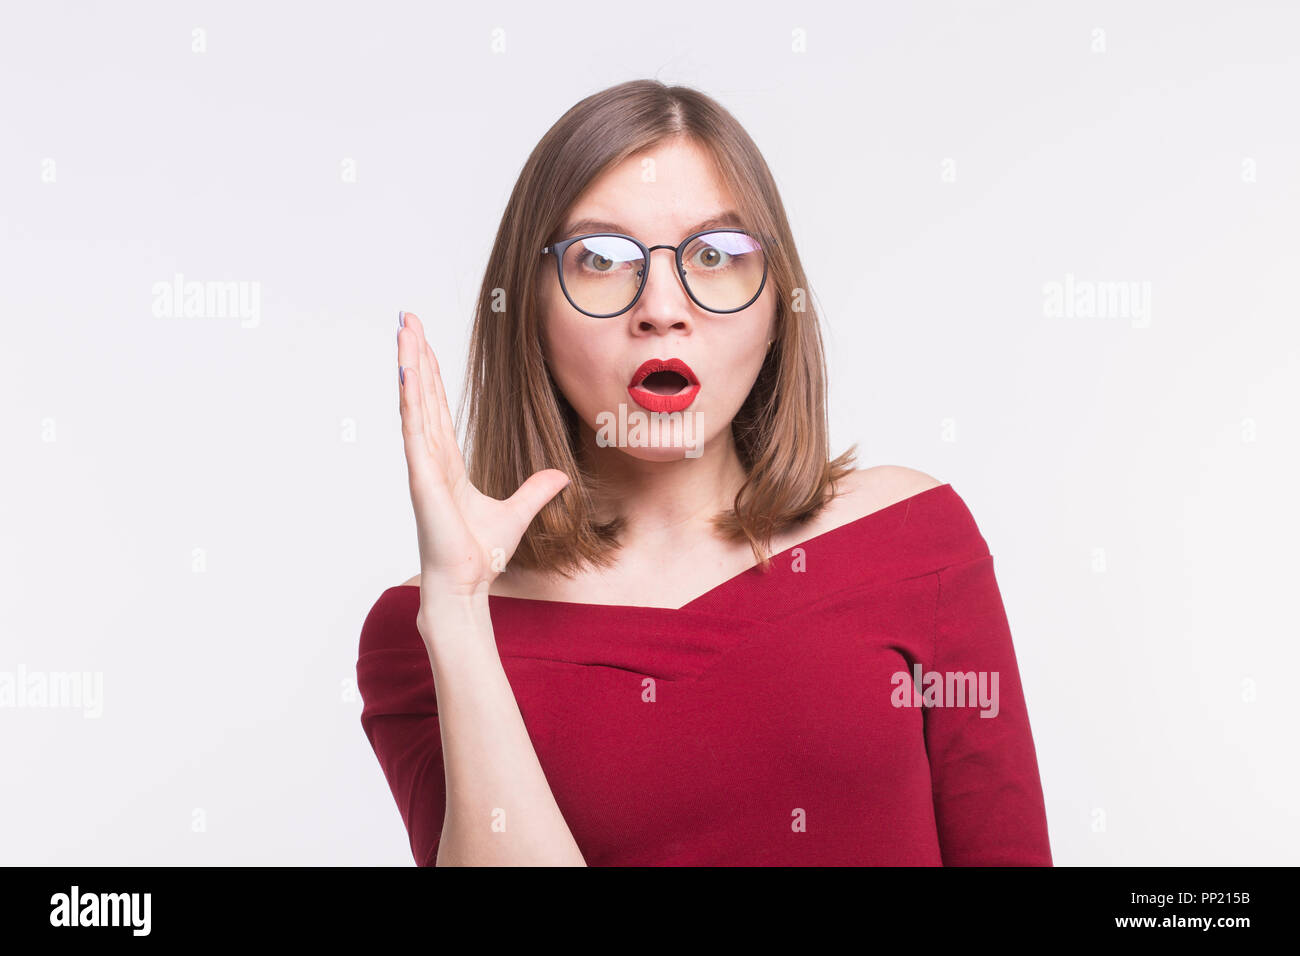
(729, 582)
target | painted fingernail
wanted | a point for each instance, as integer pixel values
(401, 375)
(401, 320)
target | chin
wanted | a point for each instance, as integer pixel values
(663, 453)
(652, 436)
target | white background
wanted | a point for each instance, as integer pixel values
(1161, 689)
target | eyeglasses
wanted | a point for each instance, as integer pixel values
(603, 274)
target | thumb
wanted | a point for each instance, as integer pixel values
(534, 493)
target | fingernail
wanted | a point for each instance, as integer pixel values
(401, 375)
(401, 320)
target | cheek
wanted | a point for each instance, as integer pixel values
(578, 362)
(766, 316)
(759, 325)
(559, 330)
(746, 352)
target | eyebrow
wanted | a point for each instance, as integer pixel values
(582, 226)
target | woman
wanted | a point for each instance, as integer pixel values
(692, 638)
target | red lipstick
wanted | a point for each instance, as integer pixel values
(660, 385)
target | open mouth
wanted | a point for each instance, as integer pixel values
(664, 383)
(661, 385)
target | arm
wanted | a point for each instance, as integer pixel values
(442, 706)
(500, 809)
(988, 800)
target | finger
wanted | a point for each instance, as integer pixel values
(421, 469)
(405, 362)
(439, 394)
(403, 352)
(431, 497)
(534, 493)
(415, 342)
(436, 437)
(435, 396)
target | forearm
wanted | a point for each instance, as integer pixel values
(500, 809)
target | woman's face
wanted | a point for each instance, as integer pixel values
(660, 196)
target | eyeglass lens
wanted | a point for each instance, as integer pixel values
(724, 271)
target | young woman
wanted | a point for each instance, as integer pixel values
(654, 623)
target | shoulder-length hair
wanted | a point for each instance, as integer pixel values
(520, 423)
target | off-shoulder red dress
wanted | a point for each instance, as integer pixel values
(791, 717)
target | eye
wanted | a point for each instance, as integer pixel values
(720, 251)
(710, 257)
(594, 262)
(602, 256)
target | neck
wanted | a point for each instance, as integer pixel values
(665, 501)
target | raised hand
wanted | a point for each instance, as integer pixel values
(458, 527)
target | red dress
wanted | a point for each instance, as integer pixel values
(771, 721)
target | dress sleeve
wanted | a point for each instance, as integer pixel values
(988, 800)
(400, 717)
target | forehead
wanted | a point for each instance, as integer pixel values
(658, 195)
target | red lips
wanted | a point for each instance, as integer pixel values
(653, 398)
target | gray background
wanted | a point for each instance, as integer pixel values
(941, 162)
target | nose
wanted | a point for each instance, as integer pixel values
(664, 305)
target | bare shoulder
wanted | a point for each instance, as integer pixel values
(859, 493)
(894, 481)
(865, 490)
(415, 582)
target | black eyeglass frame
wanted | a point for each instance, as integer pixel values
(557, 249)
